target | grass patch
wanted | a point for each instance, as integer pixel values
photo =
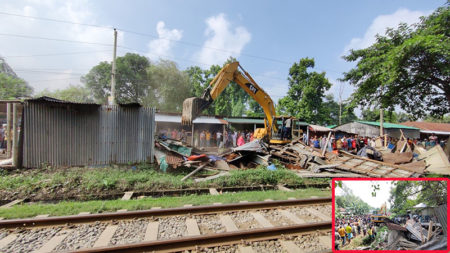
(96, 206)
(48, 183)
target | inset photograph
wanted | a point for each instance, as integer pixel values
(390, 214)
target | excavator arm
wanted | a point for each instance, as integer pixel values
(192, 107)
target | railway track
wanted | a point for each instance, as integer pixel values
(267, 226)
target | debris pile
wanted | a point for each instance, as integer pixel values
(406, 161)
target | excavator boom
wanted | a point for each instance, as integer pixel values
(192, 107)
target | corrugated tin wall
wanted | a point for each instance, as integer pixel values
(441, 214)
(75, 135)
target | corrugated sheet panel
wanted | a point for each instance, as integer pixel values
(441, 214)
(76, 135)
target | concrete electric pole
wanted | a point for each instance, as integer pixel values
(112, 100)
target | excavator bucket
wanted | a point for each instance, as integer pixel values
(192, 107)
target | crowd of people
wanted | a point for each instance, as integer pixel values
(350, 227)
(206, 138)
(354, 143)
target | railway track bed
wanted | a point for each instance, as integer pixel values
(241, 227)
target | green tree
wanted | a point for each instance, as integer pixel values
(74, 93)
(13, 88)
(306, 90)
(406, 194)
(409, 67)
(169, 86)
(132, 83)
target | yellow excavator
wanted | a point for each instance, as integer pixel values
(233, 72)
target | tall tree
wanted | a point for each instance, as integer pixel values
(406, 194)
(306, 90)
(170, 86)
(74, 93)
(132, 83)
(409, 67)
(12, 87)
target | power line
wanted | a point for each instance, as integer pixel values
(54, 39)
(55, 54)
(147, 35)
(55, 20)
(44, 71)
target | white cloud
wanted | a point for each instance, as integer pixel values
(166, 38)
(222, 36)
(68, 67)
(379, 25)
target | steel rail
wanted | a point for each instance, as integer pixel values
(74, 219)
(227, 238)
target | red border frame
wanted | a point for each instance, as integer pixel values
(386, 179)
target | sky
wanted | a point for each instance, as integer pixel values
(267, 37)
(363, 189)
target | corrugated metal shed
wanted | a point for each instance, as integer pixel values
(387, 125)
(75, 134)
(373, 130)
(177, 119)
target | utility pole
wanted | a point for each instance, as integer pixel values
(113, 72)
(341, 91)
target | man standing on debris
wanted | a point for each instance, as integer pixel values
(342, 234)
(288, 124)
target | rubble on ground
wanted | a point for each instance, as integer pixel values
(306, 161)
(417, 235)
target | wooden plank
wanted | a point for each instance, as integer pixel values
(156, 207)
(217, 203)
(188, 205)
(122, 210)
(106, 236)
(127, 195)
(213, 191)
(192, 227)
(261, 220)
(294, 218)
(245, 249)
(151, 233)
(290, 246)
(84, 213)
(8, 239)
(10, 204)
(318, 214)
(50, 245)
(228, 223)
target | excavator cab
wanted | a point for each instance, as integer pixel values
(281, 135)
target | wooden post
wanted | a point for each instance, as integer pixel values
(8, 130)
(15, 153)
(192, 135)
(326, 144)
(430, 230)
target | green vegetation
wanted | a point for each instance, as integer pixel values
(407, 194)
(97, 206)
(12, 87)
(407, 67)
(50, 183)
(350, 202)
